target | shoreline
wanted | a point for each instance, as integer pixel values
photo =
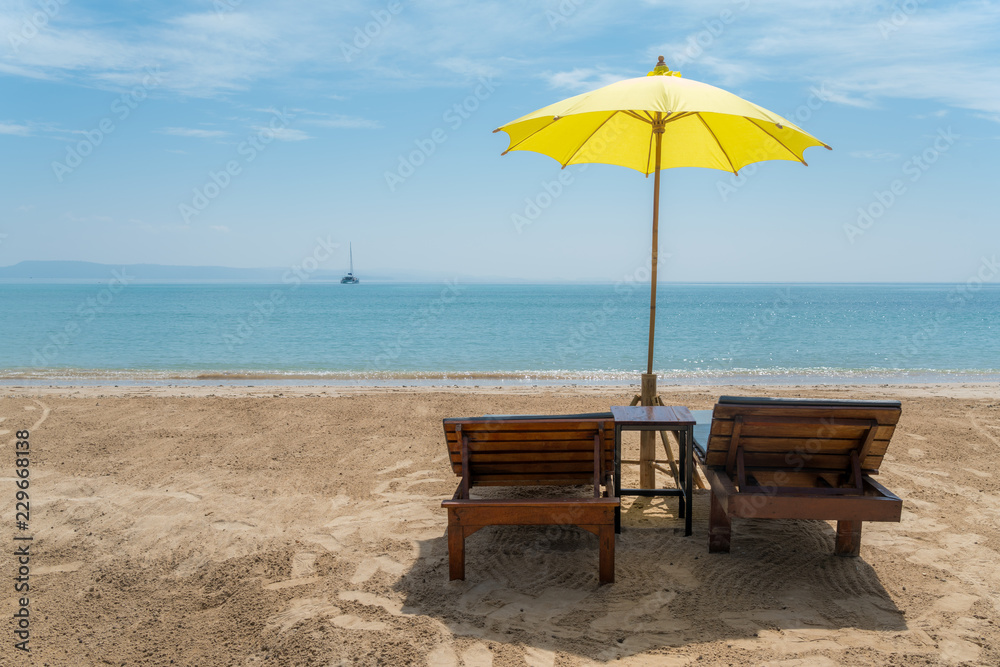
(969, 390)
(598, 378)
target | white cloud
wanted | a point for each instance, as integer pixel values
(469, 67)
(940, 113)
(194, 132)
(943, 53)
(582, 79)
(875, 156)
(283, 133)
(15, 129)
(344, 122)
(222, 229)
(72, 217)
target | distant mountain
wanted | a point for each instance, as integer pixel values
(55, 270)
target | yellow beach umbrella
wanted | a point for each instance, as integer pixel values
(657, 122)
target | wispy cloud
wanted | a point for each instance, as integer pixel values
(582, 79)
(72, 217)
(940, 113)
(194, 132)
(283, 133)
(940, 52)
(344, 122)
(875, 156)
(15, 129)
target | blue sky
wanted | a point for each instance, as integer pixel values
(238, 133)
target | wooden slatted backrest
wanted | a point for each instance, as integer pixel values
(797, 434)
(531, 450)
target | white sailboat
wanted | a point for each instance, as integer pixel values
(350, 278)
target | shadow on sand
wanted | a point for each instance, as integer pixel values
(538, 587)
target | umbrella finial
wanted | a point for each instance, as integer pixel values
(661, 69)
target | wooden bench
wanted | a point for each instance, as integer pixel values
(768, 458)
(524, 450)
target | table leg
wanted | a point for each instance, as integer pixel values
(682, 506)
(688, 456)
(618, 477)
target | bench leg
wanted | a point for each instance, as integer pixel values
(848, 538)
(456, 549)
(606, 540)
(719, 528)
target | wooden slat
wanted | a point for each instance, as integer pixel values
(773, 445)
(885, 416)
(528, 457)
(801, 430)
(516, 457)
(766, 444)
(526, 436)
(480, 469)
(870, 465)
(785, 460)
(725, 428)
(795, 478)
(534, 480)
(531, 452)
(834, 508)
(523, 446)
(533, 425)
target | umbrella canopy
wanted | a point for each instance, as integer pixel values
(656, 122)
(702, 126)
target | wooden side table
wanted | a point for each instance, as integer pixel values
(676, 418)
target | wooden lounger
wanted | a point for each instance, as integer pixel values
(532, 451)
(768, 458)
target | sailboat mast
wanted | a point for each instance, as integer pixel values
(351, 251)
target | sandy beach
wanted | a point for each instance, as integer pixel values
(302, 526)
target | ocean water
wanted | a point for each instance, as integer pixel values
(474, 333)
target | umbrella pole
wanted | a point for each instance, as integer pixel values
(647, 393)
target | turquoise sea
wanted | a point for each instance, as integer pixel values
(453, 333)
